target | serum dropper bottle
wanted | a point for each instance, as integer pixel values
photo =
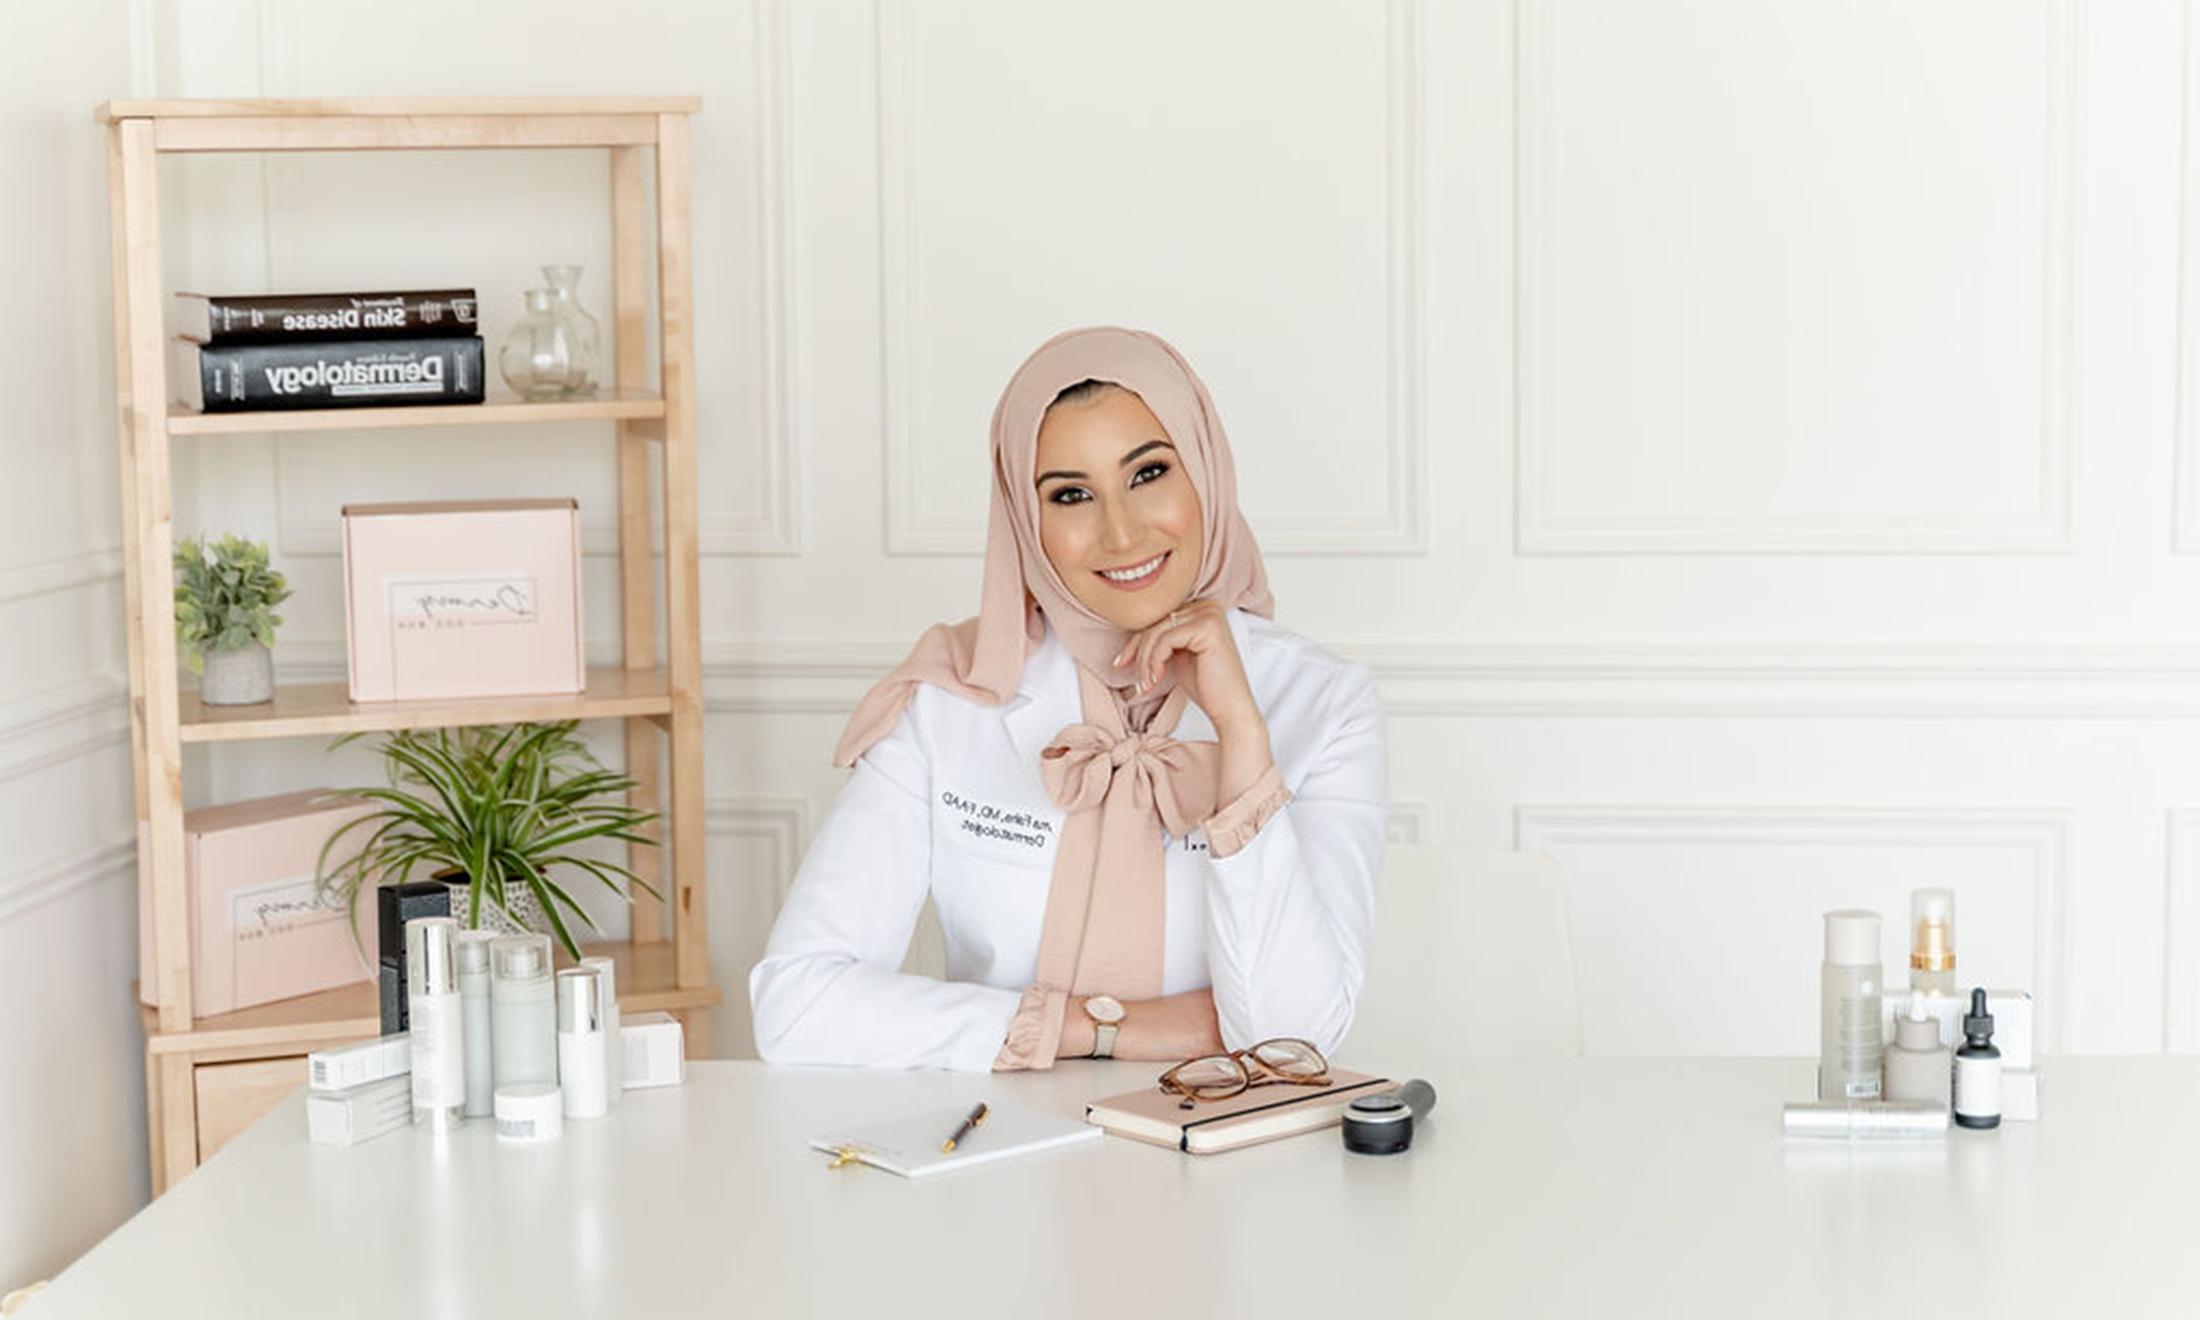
(1978, 1068)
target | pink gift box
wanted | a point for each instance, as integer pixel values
(260, 929)
(468, 598)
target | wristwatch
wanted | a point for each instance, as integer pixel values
(1105, 1011)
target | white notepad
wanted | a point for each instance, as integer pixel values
(909, 1144)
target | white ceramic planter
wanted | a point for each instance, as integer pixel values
(524, 917)
(243, 676)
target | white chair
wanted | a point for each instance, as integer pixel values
(1472, 958)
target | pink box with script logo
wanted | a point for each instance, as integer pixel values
(467, 598)
(260, 927)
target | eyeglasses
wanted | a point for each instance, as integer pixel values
(1286, 1060)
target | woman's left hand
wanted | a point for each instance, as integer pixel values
(1199, 630)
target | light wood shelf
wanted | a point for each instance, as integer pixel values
(395, 107)
(645, 974)
(666, 964)
(498, 410)
(305, 710)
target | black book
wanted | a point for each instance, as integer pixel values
(283, 317)
(351, 373)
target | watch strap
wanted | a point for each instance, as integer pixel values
(1103, 1040)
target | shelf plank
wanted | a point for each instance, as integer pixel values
(645, 975)
(309, 709)
(407, 106)
(605, 405)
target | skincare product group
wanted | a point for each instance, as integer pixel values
(494, 1032)
(1889, 1061)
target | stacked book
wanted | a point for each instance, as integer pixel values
(327, 350)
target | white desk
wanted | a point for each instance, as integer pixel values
(1583, 1188)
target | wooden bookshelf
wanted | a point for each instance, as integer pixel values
(657, 698)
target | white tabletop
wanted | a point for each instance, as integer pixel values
(1611, 1187)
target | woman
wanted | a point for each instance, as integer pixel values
(1148, 817)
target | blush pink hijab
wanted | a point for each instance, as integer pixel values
(1119, 776)
(982, 658)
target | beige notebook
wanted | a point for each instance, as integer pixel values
(1261, 1113)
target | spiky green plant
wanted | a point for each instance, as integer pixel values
(225, 597)
(507, 805)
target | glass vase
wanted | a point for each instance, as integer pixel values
(541, 357)
(565, 296)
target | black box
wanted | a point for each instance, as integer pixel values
(398, 904)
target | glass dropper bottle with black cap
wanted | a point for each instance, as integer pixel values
(1978, 1068)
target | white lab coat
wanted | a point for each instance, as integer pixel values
(950, 805)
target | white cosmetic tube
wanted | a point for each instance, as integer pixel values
(437, 1025)
(1875, 1120)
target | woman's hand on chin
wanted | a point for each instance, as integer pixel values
(1199, 632)
(1197, 638)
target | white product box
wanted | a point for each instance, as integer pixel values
(346, 1118)
(2020, 1095)
(654, 1050)
(342, 1067)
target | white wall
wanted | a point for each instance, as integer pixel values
(1743, 437)
(72, 1089)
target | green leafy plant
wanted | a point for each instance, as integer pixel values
(507, 805)
(225, 597)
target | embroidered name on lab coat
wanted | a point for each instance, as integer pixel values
(984, 820)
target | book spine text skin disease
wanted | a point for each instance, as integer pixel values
(291, 317)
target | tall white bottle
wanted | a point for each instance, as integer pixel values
(1850, 1039)
(614, 1049)
(473, 1000)
(436, 1022)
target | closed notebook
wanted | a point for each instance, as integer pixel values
(909, 1144)
(1257, 1114)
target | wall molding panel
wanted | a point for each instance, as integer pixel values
(1546, 526)
(57, 877)
(62, 724)
(2181, 942)
(1400, 528)
(2039, 834)
(26, 578)
(782, 823)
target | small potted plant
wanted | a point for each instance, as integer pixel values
(499, 813)
(225, 618)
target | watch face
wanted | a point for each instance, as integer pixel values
(1104, 1008)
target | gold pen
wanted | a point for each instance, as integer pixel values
(977, 1116)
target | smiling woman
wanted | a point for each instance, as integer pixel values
(1148, 817)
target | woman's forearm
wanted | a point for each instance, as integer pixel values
(1245, 755)
(1180, 1026)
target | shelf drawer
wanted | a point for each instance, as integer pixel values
(233, 1096)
